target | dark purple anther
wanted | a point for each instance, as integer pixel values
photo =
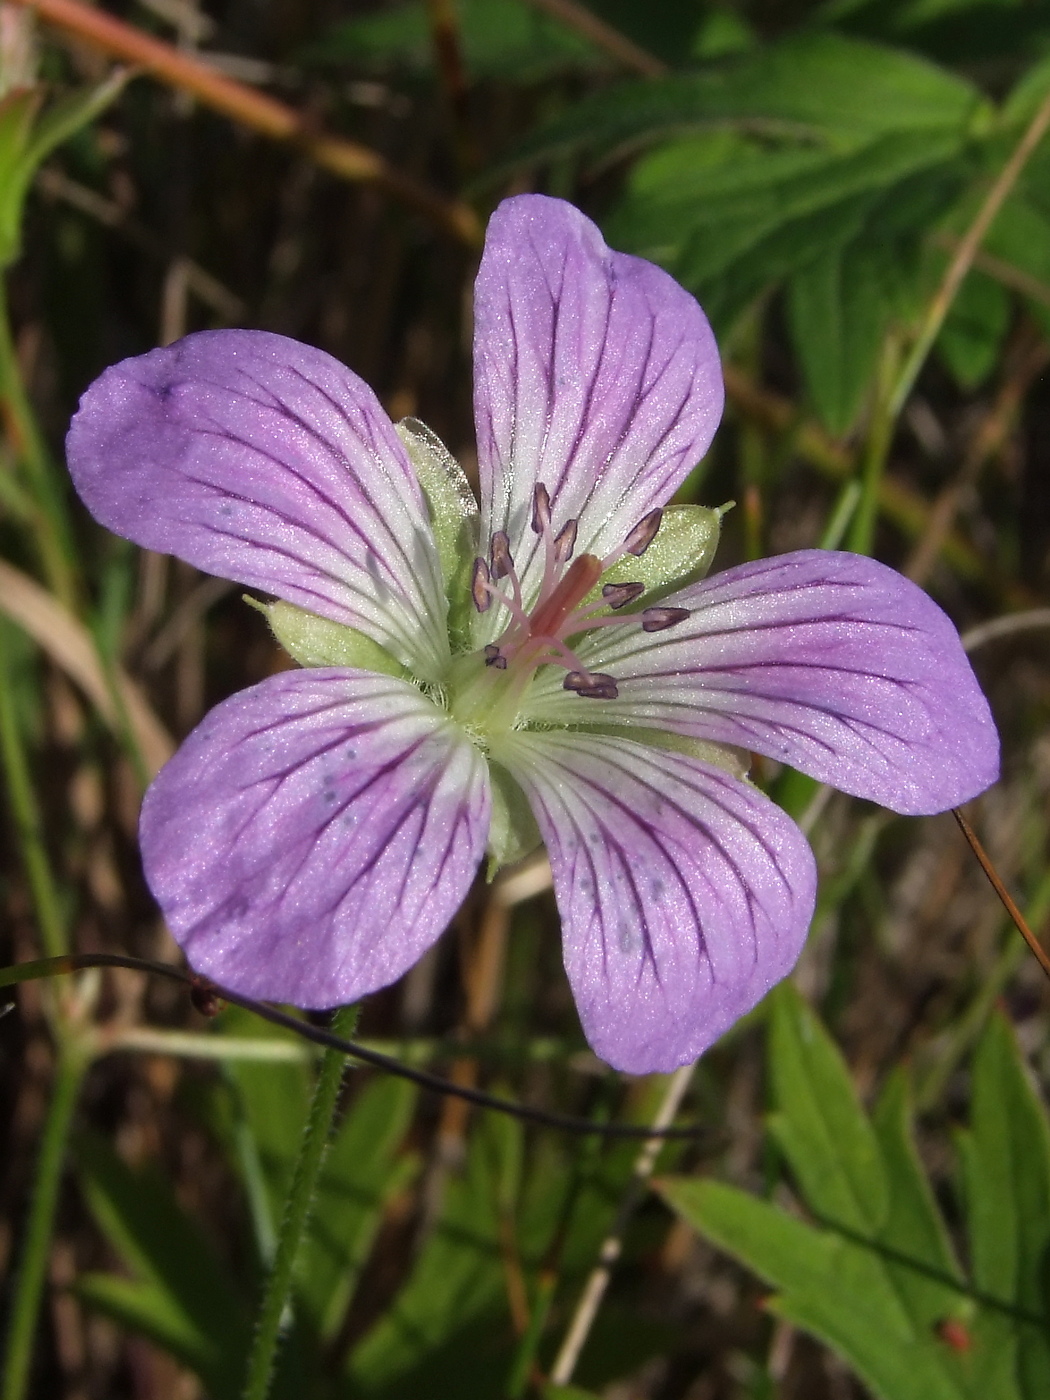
(656, 619)
(643, 534)
(541, 508)
(565, 541)
(618, 595)
(592, 685)
(502, 563)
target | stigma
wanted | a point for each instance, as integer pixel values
(567, 604)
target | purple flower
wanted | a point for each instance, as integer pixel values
(556, 669)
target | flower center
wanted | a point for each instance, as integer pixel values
(539, 635)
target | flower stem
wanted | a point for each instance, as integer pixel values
(32, 1268)
(297, 1210)
(51, 526)
(26, 813)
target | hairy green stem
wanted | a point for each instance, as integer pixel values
(51, 532)
(25, 812)
(32, 1268)
(297, 1210)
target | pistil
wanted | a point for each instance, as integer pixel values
(539, 637)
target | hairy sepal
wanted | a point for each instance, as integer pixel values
(453, 517)
(316, 641)
(681, 553)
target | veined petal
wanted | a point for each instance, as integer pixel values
(684, 893)
(266, 461)
(315, 834)
(594, 372)
(830, 662)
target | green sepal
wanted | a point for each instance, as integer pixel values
(453, 519)
(513, 833)
(680, 555)
(315, 641)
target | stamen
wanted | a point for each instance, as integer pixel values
(480, 587)
(656, 619)
(502, 563)
(541, 508)
(565, 541)
(591, 685)
(618, 595)
(494, 657)
(643, 534)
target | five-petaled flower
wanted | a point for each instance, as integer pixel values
(554, 666)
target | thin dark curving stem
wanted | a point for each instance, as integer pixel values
(207, 995)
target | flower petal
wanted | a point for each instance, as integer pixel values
(266, 461)
(594, 372)
(830, 662)
(684, 893)
(315, 834)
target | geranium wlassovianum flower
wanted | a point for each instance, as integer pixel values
(551, 664)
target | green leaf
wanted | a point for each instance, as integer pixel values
(730, 219)
(446, 1334)
(837, 1289)
(819, 89)
(149, 1310)
(887, 1295)
(182, 1296)
(838, 315)
(361, 1174)
(272, 1103)
(1020, 237)
(27, 139)
(913, 1227)
(974, 330)
(819, 1124)
(505, 39)
(1006, 1158)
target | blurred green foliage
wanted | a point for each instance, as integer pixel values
(808, 170)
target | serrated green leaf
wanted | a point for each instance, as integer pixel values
(729, 219)
(816, 88)
(819, 1124)
(833, 1287)
(838, 314)
(914, 1228)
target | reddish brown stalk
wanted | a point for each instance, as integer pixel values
(997, 885)
(603, 36)
(254, 109)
